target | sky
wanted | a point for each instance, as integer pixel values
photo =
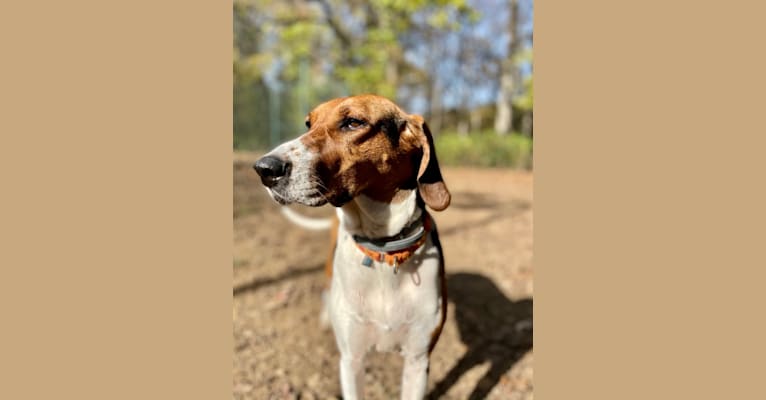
(459, 80)
(490, 27)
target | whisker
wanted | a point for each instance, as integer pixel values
(319, 185)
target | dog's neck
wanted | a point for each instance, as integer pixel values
(370, 218)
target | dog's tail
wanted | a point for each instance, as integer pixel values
(314, 224)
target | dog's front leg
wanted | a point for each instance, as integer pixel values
(415, 377)
(352, 376)
(350, 337)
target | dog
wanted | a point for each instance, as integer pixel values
(377, 165)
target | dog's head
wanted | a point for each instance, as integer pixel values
(356, 145)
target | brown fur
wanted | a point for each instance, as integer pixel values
(388, 153)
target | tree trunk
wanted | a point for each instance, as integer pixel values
(508, 75)
(435, 106)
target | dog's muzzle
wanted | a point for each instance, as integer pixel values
(272, 169)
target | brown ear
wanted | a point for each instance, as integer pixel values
(430, 182)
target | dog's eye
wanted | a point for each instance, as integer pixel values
(352, 123)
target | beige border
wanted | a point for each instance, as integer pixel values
(116, 200)
(649, 201)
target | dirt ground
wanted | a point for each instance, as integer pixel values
(485, 350)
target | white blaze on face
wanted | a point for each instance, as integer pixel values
(301, 185)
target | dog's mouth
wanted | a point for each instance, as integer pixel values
(278, 197)
(287, 192)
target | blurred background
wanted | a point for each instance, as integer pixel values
(466, 66)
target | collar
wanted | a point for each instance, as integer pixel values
(395, 250)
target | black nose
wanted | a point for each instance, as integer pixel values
(271, 169)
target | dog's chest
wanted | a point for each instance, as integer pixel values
(388, 308)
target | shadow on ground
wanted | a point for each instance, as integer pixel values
(475, 201)
(471, 201)
(291, 273)
(493, 327)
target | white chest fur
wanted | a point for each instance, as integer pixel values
(388, 311)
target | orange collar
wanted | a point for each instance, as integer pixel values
(394, 252)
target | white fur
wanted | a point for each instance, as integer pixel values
(370, 218)
(371, 307)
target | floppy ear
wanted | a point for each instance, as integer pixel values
(430, 182)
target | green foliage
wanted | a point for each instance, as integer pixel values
(484, 149)
(525, 101)
(290, 56)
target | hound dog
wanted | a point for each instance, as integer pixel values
(377, 166)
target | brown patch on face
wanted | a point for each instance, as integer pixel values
(365, 146)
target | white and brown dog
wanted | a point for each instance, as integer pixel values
(377, 165)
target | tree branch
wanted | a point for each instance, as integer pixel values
(343, 35)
